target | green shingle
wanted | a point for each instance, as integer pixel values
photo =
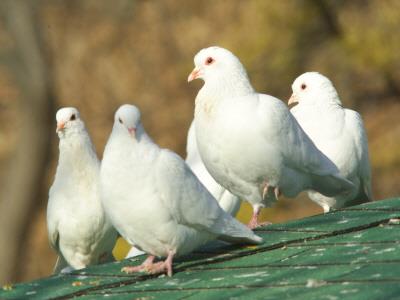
(351, 253)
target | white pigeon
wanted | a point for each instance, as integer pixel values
(338, 132)
(77, 226)
(155, 201)
(250, 142)
(229, 202)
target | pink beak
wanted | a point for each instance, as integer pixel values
(60, 126)
(195, 74)
(132, 131)
(292, 99)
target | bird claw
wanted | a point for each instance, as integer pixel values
(265, 223)
(254, 222)
(131, 269)
(152, 268)
(254, 225)
(159, 268)
(162, 267)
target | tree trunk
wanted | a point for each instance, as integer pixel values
(24, 180)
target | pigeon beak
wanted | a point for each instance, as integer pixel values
(196, 73)
(292, 99)
(60, 126)
(132, 131)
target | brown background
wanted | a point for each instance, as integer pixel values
(96, 55)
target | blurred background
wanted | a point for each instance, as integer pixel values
(97, 55)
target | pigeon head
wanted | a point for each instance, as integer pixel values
(220, 68)
(68, 121)
(212, 62)
(127, 118)
(313, 88)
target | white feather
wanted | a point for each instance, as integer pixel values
(229, 202)
(153, 198)
(338, 132)
(77, 225)
(246, 138)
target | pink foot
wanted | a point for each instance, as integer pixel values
(163, 266)
(254, 219)
(159, 268)
(255, 224)
(133, 269)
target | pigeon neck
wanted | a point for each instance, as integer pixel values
(324, 104)
(328, 99)
(145, 142)
(141, 136)
(141, 149)
(140, 140)
(77, 154)
(235, 86)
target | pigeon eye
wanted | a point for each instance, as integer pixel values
(209, 61)
(73, 117)
(119, 119)
(303, 86)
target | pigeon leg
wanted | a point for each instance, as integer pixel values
(277, 192)
(276, 189)
(163, 266)
(132, 269)
(254, 219)
(265, 189)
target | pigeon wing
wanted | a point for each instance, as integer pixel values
(191, 204)
(297, 149)
(356, 127)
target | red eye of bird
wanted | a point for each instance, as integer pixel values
(119, 119)
(73, 117)
(303, 86)
(209, 60)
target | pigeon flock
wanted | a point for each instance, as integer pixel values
(241, 145)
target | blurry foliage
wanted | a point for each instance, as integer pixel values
(106, 53)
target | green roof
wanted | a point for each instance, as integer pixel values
(352, 253)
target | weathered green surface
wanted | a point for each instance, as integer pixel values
(352, 253)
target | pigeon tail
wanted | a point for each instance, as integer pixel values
(232, 231)
(364, 195)
(60, 265)
(331, 185)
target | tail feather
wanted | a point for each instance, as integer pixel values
(365, 195)
(230, 230)
(367, 190)
(255, 240)
(331, 185)
(61, 264)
